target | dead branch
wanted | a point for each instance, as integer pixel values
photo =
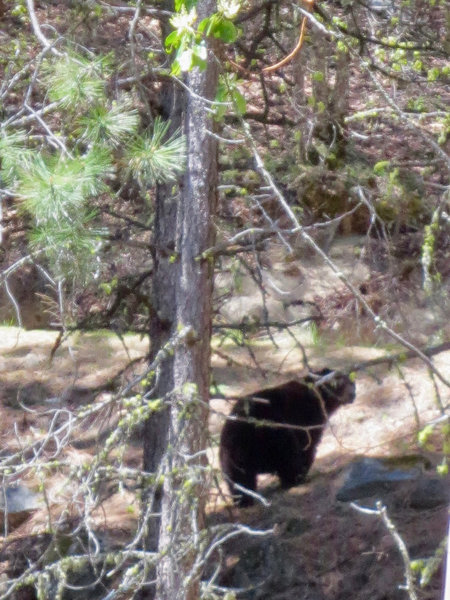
(392, 359)
(297, 48)
(381, 512)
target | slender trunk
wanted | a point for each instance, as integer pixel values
(163, 317)
(184, 488)
(321, 122)
(339, 104)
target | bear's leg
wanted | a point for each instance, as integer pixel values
(291, 467)
(294, 470)
(290, 476)
(244, 479)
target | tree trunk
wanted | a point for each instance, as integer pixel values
(321, 120)
(163, 318)
(176, 439)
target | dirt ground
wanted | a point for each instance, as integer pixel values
(320, 549)
(323, 549)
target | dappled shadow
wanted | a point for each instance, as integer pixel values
(323, 549)
(26, 394)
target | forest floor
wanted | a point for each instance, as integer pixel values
(320, 549)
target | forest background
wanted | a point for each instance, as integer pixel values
(146, 147)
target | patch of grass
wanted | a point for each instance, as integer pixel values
(11, 322)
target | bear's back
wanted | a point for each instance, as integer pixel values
(292, 402)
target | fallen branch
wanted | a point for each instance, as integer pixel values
(253, 325)
(391, 359)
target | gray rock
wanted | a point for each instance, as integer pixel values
(381, 6)
(17, 502)
(370, 476)
(430, 492)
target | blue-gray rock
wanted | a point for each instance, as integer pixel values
(430, 492)
(370, 476)
(381, 6)
(16, 502)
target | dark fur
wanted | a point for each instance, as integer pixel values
(248, 448)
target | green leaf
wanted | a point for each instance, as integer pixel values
(381, 167)
(176, 68)
(219, 111)
(239, 102)
(186, 4)
(222, 92)
(219, 27)
(225, 31)
(172, 40)
(204, 24)
(198, 61)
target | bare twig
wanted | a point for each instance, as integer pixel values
(379, 322)
(391, 359)
(38, 31)
(399, 542)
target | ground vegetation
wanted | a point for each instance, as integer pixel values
(146, 147)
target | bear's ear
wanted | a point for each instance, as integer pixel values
(336, 382)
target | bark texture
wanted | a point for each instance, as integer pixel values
(163, 318)
(186, 284)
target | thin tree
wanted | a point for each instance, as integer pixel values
(183, 231)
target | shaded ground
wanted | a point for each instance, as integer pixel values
(324, 549)
(321, 549)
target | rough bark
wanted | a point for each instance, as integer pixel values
(163, 317)
(184, 493)
(186, 283)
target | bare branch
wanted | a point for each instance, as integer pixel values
(381, 512)
(379, 323)
(38, 31)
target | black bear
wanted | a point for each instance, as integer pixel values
(298, 412)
